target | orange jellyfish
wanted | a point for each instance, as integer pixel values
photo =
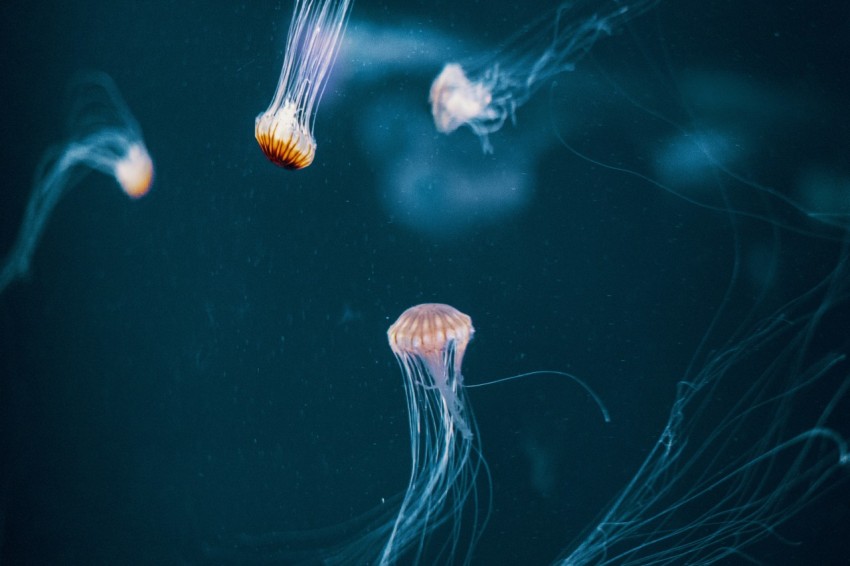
(285, 130)
(107, 139)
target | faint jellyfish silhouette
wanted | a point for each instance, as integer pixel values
(718, 158)
(371, 52)
(285, 130)
(484, 92)
(468, 191)
(106, 138)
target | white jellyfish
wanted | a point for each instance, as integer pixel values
(285, 130)
(106, 138)
(484, 92)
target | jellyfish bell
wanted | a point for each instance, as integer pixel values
(115, 152)
(134, 172)
(285, 130)
(427, 330)
(285, 138)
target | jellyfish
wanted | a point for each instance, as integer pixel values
(429, 341)
(106, 138)
(484, 92)
(285, 130)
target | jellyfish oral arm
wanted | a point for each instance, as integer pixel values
(430, 376)
(453, 406)
(448, 380)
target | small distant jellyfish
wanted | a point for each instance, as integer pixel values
(285, 130)
(106, 138)
(485, 92)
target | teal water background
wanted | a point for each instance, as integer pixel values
(212, 360)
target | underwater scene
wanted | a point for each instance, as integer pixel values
(425, 282)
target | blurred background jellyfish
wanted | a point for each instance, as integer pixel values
(467, 192)
(285, 130)
(484, 92)
(106, 138)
